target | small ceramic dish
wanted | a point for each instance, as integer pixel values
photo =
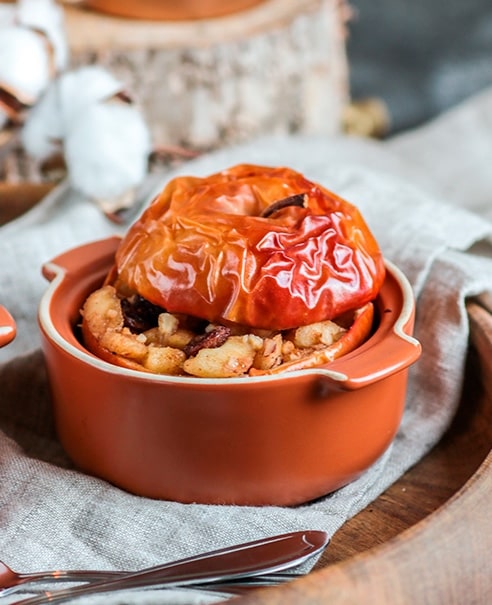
(268, 440)
(7, 327)
(169, 10)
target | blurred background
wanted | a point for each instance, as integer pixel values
(421, 56)
(285, 66)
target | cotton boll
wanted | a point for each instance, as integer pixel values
(43, 133)
(104, 139)
(7, 15)
(47, 17)
(62, 106)
(25, 68)
(107, 150)
(83, 87)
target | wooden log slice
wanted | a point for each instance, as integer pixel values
(277, 67)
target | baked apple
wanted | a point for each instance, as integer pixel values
(249, 271)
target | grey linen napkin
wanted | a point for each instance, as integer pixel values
(51, 515)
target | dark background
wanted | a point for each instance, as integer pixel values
(421, 57)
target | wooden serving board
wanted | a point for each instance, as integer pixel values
(16, 199)
(428, 539)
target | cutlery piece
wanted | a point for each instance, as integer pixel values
(264, 556)
(229, 588)
(12, 581)
(245, 585)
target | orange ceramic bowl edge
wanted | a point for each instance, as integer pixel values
(7, 327)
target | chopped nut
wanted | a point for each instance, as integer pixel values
(322, 333)
(171, 334)
(270, 354)
(167, 324)
(233, 358)
(164, 360)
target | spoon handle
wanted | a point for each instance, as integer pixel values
(18, 582)
(267, 555)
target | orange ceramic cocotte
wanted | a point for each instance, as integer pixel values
(278, 439)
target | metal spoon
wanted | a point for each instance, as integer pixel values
(227, 587)
(263, 556)
(12, 581)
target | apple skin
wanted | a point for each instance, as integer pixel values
(251, 245)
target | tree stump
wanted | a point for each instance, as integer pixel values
(279, 67)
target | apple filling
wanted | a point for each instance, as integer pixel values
(133, 333)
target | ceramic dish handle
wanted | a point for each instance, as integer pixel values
(391, 349)
(92, 255)
(394, 349)
(395, 353)
(7, 327)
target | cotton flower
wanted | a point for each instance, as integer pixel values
(83, 87)
(106, 150)
(24, 63)
(46, 16)
(32, 50)
(42, 133)
(62, 104)
(7, 14)
(103, 137)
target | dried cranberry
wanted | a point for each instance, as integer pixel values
(139, 314)
(210, 340)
